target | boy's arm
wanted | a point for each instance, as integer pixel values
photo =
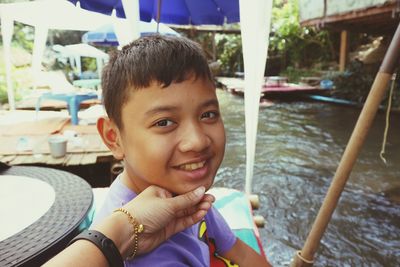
(243, 255)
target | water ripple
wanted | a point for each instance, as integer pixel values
(299, 146)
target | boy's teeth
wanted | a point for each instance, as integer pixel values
(192, 166)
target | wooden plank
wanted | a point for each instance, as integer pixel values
(55, 161)
(20, 159)
(89, 158)
(7, 159)
(71, 159)
(378, 19)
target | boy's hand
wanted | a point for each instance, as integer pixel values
(163, 215)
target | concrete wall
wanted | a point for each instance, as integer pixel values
(313, 9)
(344, 6)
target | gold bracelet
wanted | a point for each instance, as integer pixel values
(137, 229)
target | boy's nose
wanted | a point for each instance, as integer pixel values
(194, 139)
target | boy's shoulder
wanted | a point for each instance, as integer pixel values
(118, 195)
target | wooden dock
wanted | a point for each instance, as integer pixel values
(23, 139)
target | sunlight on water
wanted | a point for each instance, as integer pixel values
(299, 147)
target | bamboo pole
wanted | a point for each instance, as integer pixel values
(305, 257)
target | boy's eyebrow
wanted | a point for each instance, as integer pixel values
(160, 109)
(167, 108)
(211, 102)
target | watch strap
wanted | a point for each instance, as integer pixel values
(106, 246)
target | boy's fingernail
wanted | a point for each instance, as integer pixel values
(200, 191)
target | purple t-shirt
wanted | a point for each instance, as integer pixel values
(191, 247)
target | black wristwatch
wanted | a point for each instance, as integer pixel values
(105, 244)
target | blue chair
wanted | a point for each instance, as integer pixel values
(88, 83)
(73, 101)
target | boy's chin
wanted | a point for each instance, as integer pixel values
(180, 191)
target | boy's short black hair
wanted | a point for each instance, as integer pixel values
(162, 59)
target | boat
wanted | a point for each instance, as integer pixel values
(274, 87)
(333, 100)
(237, 211)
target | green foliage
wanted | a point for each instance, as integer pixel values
(285, 24)
(353, 84)
(18, 78)
(293, 45)
(206, 41)
(294, 74)
(3, 91)
(23, 36)
(89, 64)
(298, 46)
(229, 49)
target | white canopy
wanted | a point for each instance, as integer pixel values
(45, 15)
(82, 50)
(255, 21)
(75, 51)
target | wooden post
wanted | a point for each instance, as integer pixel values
(305, 257)
(343, 50)
(254, 201)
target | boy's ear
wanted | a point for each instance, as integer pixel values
(111, 137)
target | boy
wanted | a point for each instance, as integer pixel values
(164, 122)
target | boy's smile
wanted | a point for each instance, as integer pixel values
(172, 137)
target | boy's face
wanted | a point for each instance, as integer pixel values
(172, 137)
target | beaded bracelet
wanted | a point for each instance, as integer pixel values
(137, 229)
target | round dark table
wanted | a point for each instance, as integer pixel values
(68, 215)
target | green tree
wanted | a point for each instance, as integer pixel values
(290, 45)
(23, 34)
(229, 49)
(298, 46)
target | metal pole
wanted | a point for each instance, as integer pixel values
(158, 15)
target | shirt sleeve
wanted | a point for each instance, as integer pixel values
(220, 231)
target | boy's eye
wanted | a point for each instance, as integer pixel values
(209, 115)
(164, 123)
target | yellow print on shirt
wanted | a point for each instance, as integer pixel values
(215, 259)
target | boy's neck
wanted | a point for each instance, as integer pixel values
(128, 183)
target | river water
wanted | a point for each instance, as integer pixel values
(299, 146)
